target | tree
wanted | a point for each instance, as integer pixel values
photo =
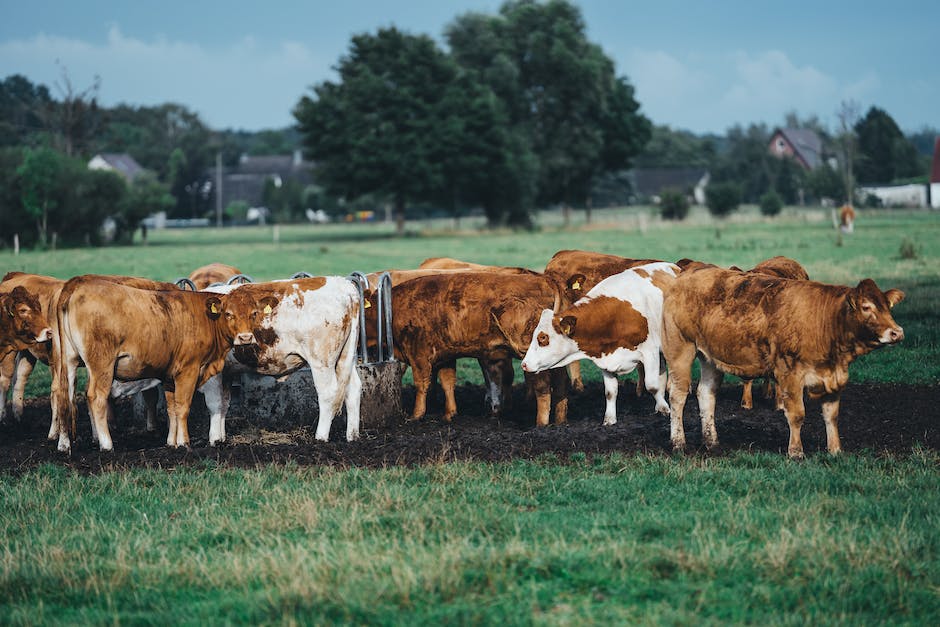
(376, 130)
(40, 178)
(560, 93)
(826, 182)
(145, 196)
(21, 105)
(673, 204)
(722, 198)
(884, 153)
(669, 148)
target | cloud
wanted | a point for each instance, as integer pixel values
(667, 88)
(243, 85)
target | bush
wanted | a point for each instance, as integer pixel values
(722, 198)
(673, 205)
(770, 203)
(908, 249)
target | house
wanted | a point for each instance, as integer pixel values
(649, 183)
(246, 180)
(122, 163)
(799, 144)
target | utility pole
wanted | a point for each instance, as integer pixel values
(218, 188)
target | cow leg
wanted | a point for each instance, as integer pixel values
(99, 389)
(448, 378)
(790, 390)
(353, 399)
(707, 387)
(63, 398)
(182, 398)
(679, 355)
(654, 368)
(610, 394)
(641, 378)
(769, 391)
(172, 422)
(25, 362)
(422, 379)
(747, 399)
(574, 370)
(217, 399)
(830, 411)
(540, 382)
(324, 379)
(7, 367)
(558, 378)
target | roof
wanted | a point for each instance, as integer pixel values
(806, 144)
(121, 162)
(652, 181)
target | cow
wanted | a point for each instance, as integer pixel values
(212, 273)
(449, 263)
(126, 335)
(617, 325)
(847, 219)
(579, 271)
(803, 333)
(486, 315)
(785, 268)
(280, 327)
(17, 367)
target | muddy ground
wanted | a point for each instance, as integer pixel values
(882, 418)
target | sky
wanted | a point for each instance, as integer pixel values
(696, 65)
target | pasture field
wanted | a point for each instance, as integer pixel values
(622, 537)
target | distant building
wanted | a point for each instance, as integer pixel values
(649, 183)
(245, 181)
(800, 144)
(122, 163)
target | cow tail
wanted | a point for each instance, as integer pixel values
(65, 403)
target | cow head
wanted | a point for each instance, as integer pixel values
(22, 316)
(575, 287)
(870, 313)
(552, 344)
(244, 317)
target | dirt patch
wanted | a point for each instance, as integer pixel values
(882, 418)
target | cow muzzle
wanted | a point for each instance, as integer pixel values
(892, 335)
(44, 336)
(244, 339)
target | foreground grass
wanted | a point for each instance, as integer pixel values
(614, 539)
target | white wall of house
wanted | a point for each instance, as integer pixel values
(935, 195)
(898, 195)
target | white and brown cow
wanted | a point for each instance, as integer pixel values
(282, 326)
(803, 333)
(617, 325)
(125, 335)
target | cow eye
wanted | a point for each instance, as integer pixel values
(867, 308)
(229, 315)
(543, 339)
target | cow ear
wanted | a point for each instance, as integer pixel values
(567, 325)
(576, 282)
(894, 297)
(736, 269)
(6, 303)
(267, 305)
(214, 307)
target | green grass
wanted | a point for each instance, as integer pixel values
(748, 538)
(611, 540)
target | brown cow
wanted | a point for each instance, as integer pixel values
(22, 323)
(212, 273)
(17, 367)
(847, 219)
(579, 271)
(490, 316)
(784, 268)
(497, 367)
(124, 335)
(803, 333)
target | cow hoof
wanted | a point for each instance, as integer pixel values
(678, 446)
(796, 455)
(662, 409)
(447, 417)
(747, 405)
(609, 421)
(577, 386)
(352, 437)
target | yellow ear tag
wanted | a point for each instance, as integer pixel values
(366, 305)
(213, 308)
(267, 309)
(576, 285)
